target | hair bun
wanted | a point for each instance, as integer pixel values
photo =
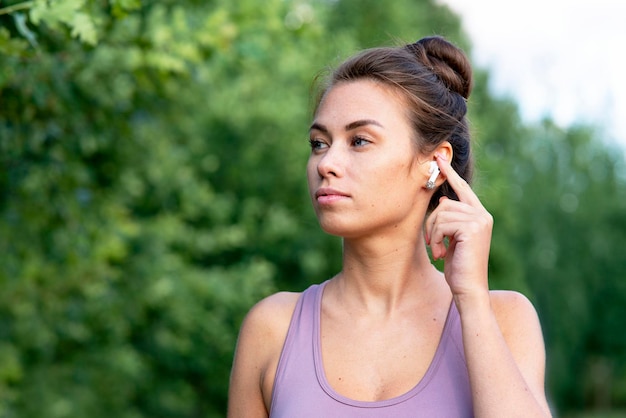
(447, 61)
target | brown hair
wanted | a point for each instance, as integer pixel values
(435, 79)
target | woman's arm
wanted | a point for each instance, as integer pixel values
(502, 337)
(258, 349)
(505, 355)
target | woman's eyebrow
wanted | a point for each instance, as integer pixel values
(352, 125)
(318, 127)
(363, 122)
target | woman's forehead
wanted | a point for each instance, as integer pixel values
(361, 100)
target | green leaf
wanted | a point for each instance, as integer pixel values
(10, 46)
(83, 28)
(68, 12)
(121, 8)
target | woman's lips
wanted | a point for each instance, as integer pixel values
(327, 195)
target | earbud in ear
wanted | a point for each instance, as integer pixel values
(434, 172)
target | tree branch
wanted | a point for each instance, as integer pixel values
(15, 7)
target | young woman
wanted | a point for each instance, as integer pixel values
(390, 335)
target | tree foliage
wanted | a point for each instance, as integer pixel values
(152, 189)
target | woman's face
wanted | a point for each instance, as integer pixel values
(363, 173)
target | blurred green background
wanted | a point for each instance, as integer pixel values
(152, 189)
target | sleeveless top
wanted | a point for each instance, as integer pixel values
(302, 391)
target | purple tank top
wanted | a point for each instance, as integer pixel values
(302, 391)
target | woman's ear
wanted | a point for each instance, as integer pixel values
(444, 150)
(436, 179)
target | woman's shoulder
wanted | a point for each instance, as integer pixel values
(269, 318)
(260, 342)
(515, 313)
(510, 302)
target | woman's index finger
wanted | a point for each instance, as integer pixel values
(458, 184)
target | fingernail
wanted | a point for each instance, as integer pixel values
(443, 157)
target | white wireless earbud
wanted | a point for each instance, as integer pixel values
(434, 172)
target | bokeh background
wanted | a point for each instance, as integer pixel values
(556, 58)
(152, 189)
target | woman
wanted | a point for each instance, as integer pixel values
(390, 335)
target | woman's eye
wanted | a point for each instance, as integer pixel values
(316, 144)
(359, 141)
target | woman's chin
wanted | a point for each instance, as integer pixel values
(341, 229)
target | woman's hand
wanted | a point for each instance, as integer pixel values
(467, 225)
(506, 373)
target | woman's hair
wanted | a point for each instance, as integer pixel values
(435, 79)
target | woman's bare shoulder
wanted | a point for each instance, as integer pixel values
(517, 319)
(271, 316)
(265, 327)
(260, 342)
(511, 306)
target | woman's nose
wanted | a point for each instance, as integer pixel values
(331, 162)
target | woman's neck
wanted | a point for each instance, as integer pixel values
(381, 275)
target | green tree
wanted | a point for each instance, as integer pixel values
(571, 247)
(559, 201)
(131, 247)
